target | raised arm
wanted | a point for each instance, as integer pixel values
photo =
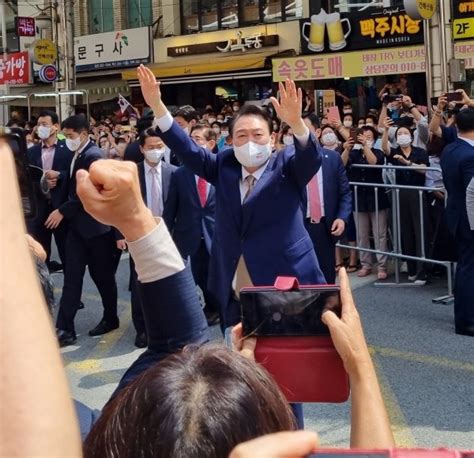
(201, 161)
(437, 119)
(385, 144)
(38, 418)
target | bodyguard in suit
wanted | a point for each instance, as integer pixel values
(457, 164)
(155, 177)
(260, 231)
(190, 216)
(328, 205)
(88, 243)
(54, 158)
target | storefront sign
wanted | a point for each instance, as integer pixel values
(15, 69)
(127, 48)
(463, 19)
(348, 32)
(25, 26)
(420, 9)
(48, 73)
(465, 50)
(44, 52)
(376, 62)
(240, 43)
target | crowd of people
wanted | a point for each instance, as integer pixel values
(224, 200)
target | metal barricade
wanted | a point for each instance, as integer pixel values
(396, 229)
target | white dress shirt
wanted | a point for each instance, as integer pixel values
(149, 177)
(76, 154)
(244, 184)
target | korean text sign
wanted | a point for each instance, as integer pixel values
(15, 69)
(119, 49)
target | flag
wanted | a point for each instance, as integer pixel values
(124, 104)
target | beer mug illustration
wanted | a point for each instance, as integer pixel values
(337, 37)
(317, 27)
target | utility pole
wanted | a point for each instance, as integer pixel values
(64, 38)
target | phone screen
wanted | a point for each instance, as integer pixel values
(287, 313)
(454, 96)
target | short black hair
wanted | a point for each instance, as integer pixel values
(78, 123)
(54, 116)
(371, 116)
(187, 112)
(251, 110)
(465, 120)
(313, 119)
(209, 134)
(145, 122)
(371, 129)
(150, 132)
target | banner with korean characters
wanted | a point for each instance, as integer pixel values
(465, 50)
(463, 19)
(374, 62)
(15, 68)
(335, 32)
(119, 49)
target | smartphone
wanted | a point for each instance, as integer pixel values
(434, 101)
(454, 97)
(271, 312)
(27, 175)
(354, 133)
(388, 98)
(404, 121)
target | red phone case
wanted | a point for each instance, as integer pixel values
(307, 369)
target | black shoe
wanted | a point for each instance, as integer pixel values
(81, 306)
(103, 328)
(141, 341)
(55, 266)
(465, 330)
(66, 338)
(212, 318)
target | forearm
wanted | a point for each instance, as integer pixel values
(371, 157)
(435, 124)
(383, 115)
(385, 145)
(370, 426)
(38, 416)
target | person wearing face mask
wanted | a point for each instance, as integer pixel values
(348, 121)
(329, 139)
(284, 138)
(88, 243)
(189, 215)
(155, 178)
(407, 155)
(260, 232)
(225, 140)
(54, 158)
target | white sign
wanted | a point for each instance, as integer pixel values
(254, 41)
(119, 49)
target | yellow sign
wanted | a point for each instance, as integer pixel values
(465, 50)
(44, 52)
(420, 9)
(374, 62)
(463, 28)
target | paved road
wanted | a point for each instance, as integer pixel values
(426, 371)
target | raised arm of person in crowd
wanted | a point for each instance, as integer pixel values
(387, 123)
(347, 148)
(110, 192)
(201, 161)
(38, 418)
(437, 119)
(370, 426)
(382, 116)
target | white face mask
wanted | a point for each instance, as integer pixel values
(44, 132)
(225, 133)
(252, 154)
(347, 123)
(155, 155)
(370, 143)
(404, 140)
(236, 108)
(369, 124)
(347, 111)
(216, 130)
(329, 139)
(212, 120)
(288, 140)
(185, 130)
(73, 143)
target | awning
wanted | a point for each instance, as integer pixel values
(205, 66)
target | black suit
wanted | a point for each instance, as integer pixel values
(192, 226)
(457, 164)
(57, 196)
(167, 171)
(88, 243)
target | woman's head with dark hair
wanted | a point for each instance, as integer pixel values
(372, 130)
(201, 402)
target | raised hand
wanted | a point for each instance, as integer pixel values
(288, 109)
(151, 90)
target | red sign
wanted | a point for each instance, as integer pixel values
(25, 26)
(15, 69)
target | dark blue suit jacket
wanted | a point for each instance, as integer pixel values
(79, 220)
(268, 229)
(336, 190)
(457, 164)
(187, 221)
(61, 163)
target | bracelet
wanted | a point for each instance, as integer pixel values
(438, 113)
(411, 107)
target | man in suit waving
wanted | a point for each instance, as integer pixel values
(260, 231)
(190, 216)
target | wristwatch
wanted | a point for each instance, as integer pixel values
(412, 106)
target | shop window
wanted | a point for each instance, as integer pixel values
(140, 13)
(209, 15)
(189, 15)
(230, 14)
(352, 6)
(101, 16)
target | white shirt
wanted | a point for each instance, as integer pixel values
(468, 140)
(149, 177)
(321, 192)
(244, 184)
(76, 154)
